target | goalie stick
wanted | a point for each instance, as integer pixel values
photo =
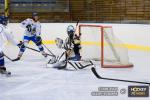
(84, 66)
(77, 24)
(72, 65)
(79, 65)
(99, 77)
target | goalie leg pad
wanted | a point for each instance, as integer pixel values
(1, 59)
(60, 65)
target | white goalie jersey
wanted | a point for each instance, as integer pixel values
(6, 36)
(35, 27)
(67, 44)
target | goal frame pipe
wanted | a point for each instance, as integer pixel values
(6, 8)
(102, 47)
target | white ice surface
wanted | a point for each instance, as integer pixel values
(31, 80)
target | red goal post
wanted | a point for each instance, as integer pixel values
(107, 43)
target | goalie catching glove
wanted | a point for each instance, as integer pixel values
(59, 43)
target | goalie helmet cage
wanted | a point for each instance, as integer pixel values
(99, 43)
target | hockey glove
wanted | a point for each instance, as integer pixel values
(38, 40)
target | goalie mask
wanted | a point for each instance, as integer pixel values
(70, 31)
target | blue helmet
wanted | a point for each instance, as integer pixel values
(3, 20)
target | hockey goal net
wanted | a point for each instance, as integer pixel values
(99, 43)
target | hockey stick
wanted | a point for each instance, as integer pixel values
(32, 49)
(99, 77)
(84, 66)
(76, 26)
(56, 60)
(16, 59)
(60, 56)
(79, 65)
(8, 58)
(49, 50)
(72, 65)
(77, 23)
(36, 50)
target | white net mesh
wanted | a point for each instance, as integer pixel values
(97, 38)
(90, 41)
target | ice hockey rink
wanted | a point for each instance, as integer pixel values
(32, 80)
